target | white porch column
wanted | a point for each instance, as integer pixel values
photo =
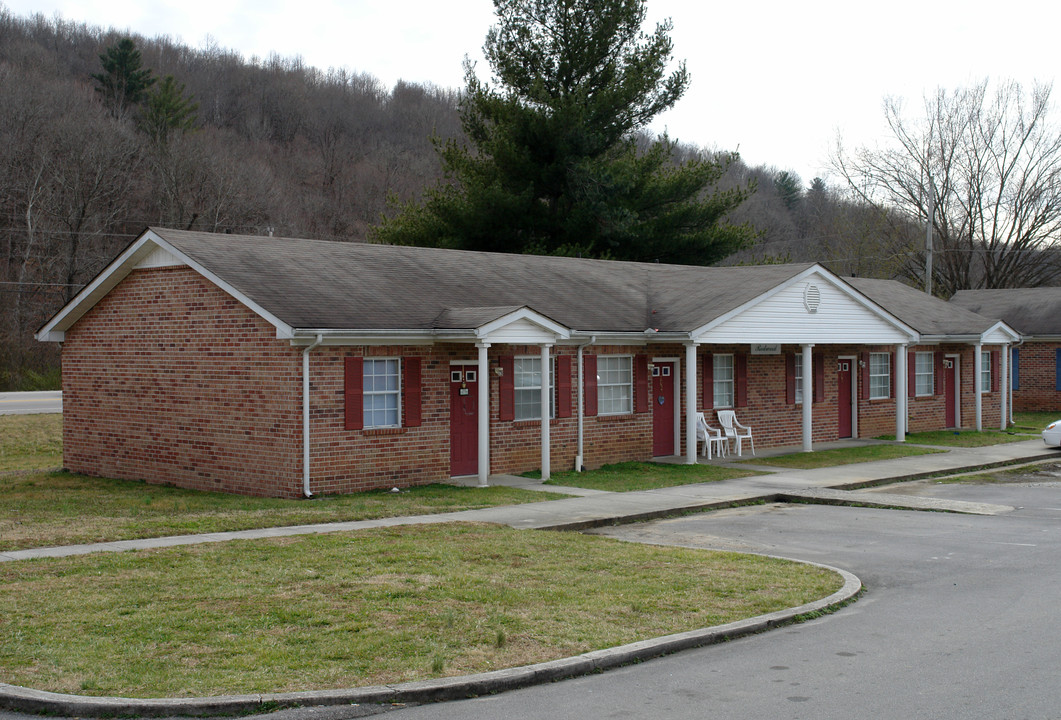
(978, 362)
(1006, 382)
(690, 404)
(545, 412)
(484, 415)
(808, 397)
(901, 392)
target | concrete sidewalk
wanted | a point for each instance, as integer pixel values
(594, 508)
(836, 485)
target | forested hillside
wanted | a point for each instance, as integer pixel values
(263, 146)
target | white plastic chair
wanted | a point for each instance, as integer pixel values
(712, 438)
(734, 430)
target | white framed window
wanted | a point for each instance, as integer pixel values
(615, 384)
(799, 378)
(880, 380)
(381, 393)
(924, 374)
(722, 372)
(985, 371)
(528, 386)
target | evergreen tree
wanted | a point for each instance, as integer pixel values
(556, 166)
(123, 83)
(167, 110)
(789, 188)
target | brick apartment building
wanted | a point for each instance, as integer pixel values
(1036, 361)
(284, 367)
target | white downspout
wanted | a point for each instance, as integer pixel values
(581, 407)
(544, 400)
(305, 416)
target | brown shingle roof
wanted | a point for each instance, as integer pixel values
(1031, 311)
(927, 314)
(337, 285)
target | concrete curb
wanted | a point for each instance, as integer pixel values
(13, 697)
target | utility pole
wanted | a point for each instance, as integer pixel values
(928, 238)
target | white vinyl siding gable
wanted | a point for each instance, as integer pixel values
(783, 318)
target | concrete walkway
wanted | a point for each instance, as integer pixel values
(836, 485)
(595, 508)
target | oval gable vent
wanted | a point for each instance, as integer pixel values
(812, 298)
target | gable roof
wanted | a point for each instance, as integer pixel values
(1032, 311)
(306, 287)
(931, 317)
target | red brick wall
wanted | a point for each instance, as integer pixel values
(1037, 381)
(169, 380)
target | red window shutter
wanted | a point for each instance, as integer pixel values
(641, 383)
(709, 381)
(740, 380)
(790, 379)
(411, 391)
(865, 375)
(995, 366)
(911, 373)
(589, 372)
(563, 386)
(506, 390)
(354, 381)
(819, 378)
(891, 375)
(940, 382)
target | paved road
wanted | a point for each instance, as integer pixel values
(960, 621)
(28, 403)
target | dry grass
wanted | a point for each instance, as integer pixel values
(363, 608)
(31, 441)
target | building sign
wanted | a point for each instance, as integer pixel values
(766, 349)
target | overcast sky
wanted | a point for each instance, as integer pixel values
(775, 80)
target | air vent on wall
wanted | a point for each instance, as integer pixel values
(812, 298)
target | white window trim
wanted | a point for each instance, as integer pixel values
(887, 375)
(536, 389)
(930, 374)
(397, 393)
(799, 378)
(732, 381)
(985, 372)
(601, 385)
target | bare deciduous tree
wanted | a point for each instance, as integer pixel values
(985, 164)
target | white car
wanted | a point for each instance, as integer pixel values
(1052, 434)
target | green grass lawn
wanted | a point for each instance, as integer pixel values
(1034, 422)
(42, 509)
(363, 608)
(841, 456)
(629, 476)
(31, 441)
(960, 438)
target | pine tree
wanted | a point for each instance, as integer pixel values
(167, 110)
(123, 84)
(556, 166)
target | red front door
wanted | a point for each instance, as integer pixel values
(845, 427)
(463, 422)
(663, 409)
(949, 398)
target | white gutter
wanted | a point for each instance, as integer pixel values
(305, 416)
(581, 406)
